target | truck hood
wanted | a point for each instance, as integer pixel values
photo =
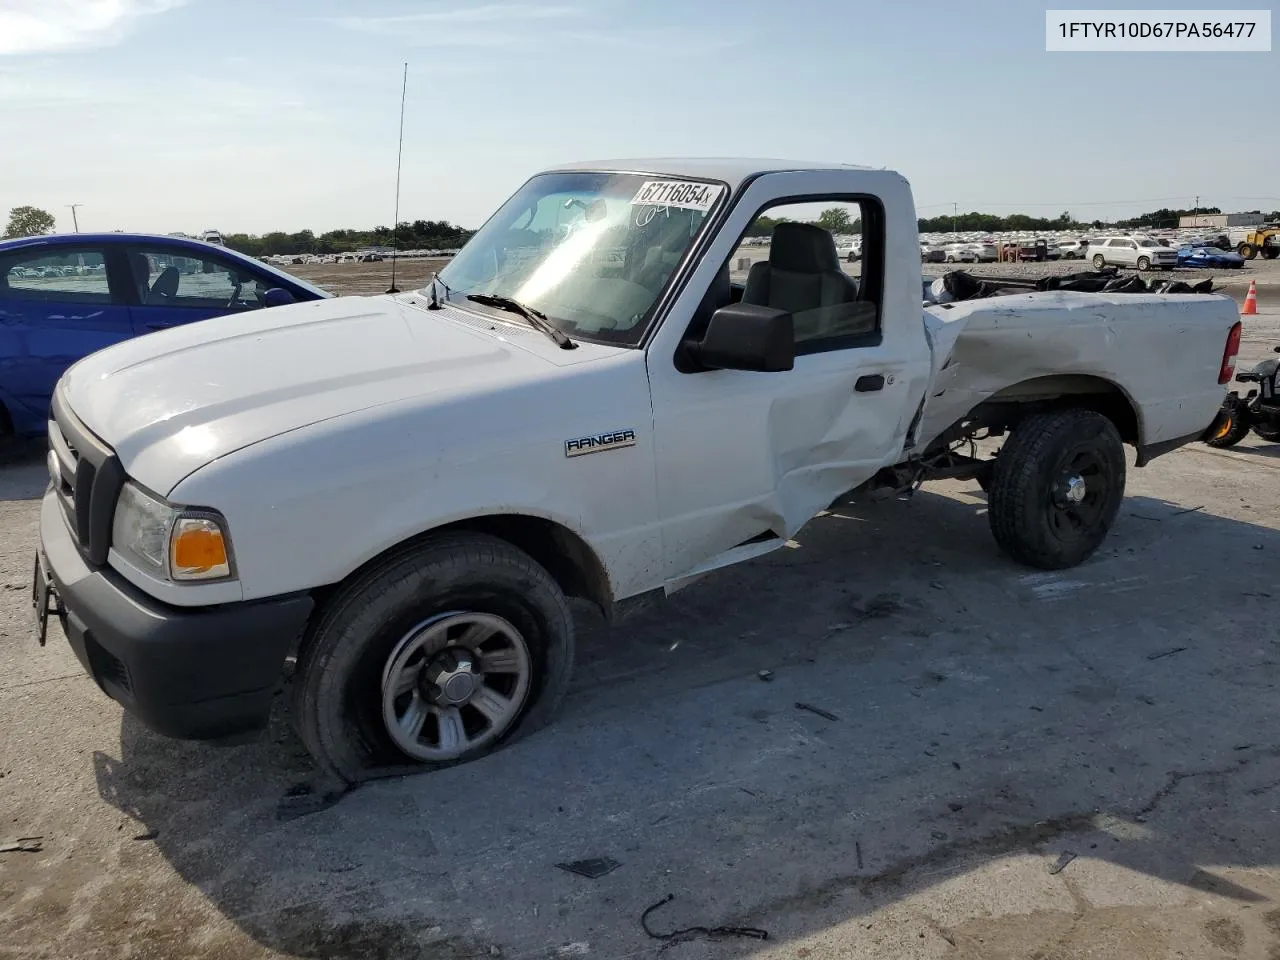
(172, 401)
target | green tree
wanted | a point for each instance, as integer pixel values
(835, 219)
(991, 223)
(420, 234)
(763, 226)
(1164, 217)
(29, 222)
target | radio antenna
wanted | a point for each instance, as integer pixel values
(395, 229)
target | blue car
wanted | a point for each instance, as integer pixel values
(1209, 257)
(65, 296)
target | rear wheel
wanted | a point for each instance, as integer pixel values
(1056, 488)
(1233, 428)
(1098, 261)
(1269, 434)
(445, 652)
(1271, 252)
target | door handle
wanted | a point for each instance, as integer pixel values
(157, 326)
(869, 383)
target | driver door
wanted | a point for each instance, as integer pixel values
(175, 285)
(744, 459)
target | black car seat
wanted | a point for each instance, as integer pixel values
(141, 268)
(166, 286)
(803, 277)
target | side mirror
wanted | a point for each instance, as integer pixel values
(746, 336)
(278, 297)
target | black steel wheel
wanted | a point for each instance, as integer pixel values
(1056, 488)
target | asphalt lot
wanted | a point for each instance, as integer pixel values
(989, 721)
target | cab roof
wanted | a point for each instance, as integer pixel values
(731, 170)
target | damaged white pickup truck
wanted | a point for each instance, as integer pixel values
(400, 491)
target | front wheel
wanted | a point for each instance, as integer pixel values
(441, 654)
(1098, 261)
(1247, 250)
(1270, 434)
(1144, 263)
(1056, 488)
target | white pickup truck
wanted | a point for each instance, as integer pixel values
(397, 493)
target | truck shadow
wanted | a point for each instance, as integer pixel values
(1257, 447)
(967, 710)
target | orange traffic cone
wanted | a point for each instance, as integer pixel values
(1251, 301)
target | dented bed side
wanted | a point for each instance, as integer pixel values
(1163, 352)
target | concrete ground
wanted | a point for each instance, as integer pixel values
(1013, 764)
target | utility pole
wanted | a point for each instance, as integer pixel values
(955, 213)
(1196, 215)
(74, 220)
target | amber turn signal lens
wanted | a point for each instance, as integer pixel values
(199, 550)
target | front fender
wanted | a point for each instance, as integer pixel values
(307, 511)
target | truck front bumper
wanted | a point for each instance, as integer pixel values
(203, 673)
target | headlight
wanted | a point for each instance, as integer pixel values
(178, 543)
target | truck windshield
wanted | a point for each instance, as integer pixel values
(592, 251)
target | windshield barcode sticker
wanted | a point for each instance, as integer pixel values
(683, 194)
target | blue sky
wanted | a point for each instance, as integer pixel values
(249, 115)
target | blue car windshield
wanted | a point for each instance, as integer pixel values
(591, 250)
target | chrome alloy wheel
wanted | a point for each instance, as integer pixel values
(454, 684)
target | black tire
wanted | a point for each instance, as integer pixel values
(1247, 250)
(1144, 264)
(1232, 430)
(1099, 261)
(1269, 434)
(1271, 252)
(1030, 517)
(337, 688)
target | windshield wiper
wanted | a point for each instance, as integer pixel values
(536, 318)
